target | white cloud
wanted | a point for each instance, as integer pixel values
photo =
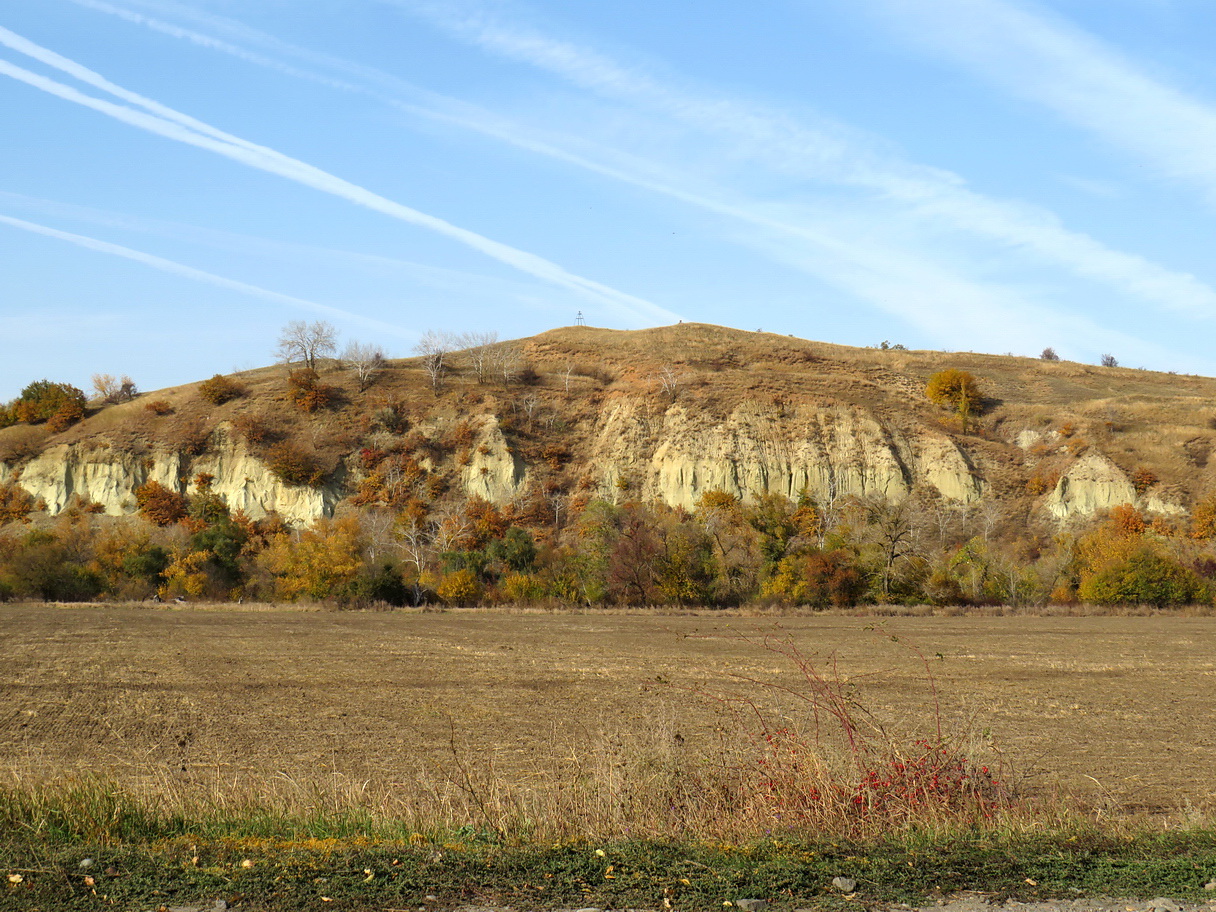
(892, 277)
(171, 124)
(835, 154)
(824, 152)
(1037, 55)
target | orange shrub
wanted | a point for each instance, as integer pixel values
(159, 407)
(220, 389)
(15, 504)
(307, 393)
(65, 416)
(1203, 519)
(1143, 479)
(158, 505)
(253, 429)
(294, 465)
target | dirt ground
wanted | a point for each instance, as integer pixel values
(1118, 710)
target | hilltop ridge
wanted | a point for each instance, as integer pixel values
(667, 414)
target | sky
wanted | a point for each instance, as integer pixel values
(179, 179)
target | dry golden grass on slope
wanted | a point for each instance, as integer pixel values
(1162, 421)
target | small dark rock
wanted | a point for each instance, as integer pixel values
(751, 905)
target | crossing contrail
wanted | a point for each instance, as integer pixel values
(166, 122)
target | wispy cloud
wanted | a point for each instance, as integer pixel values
(521, 289)
(822, 151)
(832, 153)
(171, 124)
(198, 275)
(1040, 56)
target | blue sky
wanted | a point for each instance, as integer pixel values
(180, 178)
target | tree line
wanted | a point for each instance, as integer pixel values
(770, 551)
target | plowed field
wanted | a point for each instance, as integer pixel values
(1118, 710)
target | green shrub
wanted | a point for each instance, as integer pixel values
(43, 400)
(1145, 578)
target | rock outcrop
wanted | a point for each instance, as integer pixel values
(1093, 484)
(633, 448)
(109, 477)
(677, 455)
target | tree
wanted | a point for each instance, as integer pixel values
(955, 389)
(1049, 354)
(1110, 361)
(43, 400)
(366, 360)
(434, 347)
(111, 391)
(160, 505)
(307, 342)
(477, 346)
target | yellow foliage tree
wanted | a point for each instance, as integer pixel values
(1203, 519)
(460, 587)
(187, 575)
(954, 389)
(321, 563)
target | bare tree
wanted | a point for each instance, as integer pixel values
(378, 527)
(307, 342)
(529, 404)
(366, 360)
(506, 359)
(434, 347)
(1049, 354)
(669, 381)
(1110, 361)
(111, 391)
(568, 375)
(477, 346)
(558, 500)
(893, 533)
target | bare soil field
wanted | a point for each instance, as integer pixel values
(1114, 712)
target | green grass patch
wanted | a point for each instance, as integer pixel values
(357, 873)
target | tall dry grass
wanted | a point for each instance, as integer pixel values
(814, 762)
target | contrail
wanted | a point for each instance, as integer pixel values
(174, 125)
(924, 190)
(198, 275)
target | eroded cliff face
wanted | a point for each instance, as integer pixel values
(109, 477)
(494, 472)
(1093, 484)
(634, 448)
(676, 455)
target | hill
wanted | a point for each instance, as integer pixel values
(676, 411)
(549, 424)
